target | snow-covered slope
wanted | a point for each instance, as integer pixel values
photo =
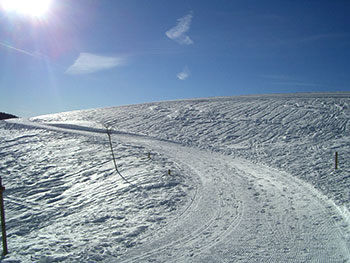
(252, 179)
(297, 133)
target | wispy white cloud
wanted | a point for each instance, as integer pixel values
(89, 63)
(177, 33)
(184, 74)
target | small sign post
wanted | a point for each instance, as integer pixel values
(3, 227)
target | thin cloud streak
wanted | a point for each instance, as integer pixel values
(89, 63)
(285, 80)
(299, 84)
(274, 77)
(177, 33)
(32, 54)
(184, 74)
(323, 36)
(36, 55)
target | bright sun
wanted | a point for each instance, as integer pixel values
(35, 8)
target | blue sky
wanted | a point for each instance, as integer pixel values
(96, 53)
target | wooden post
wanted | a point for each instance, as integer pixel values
(3, 227)
(336, 160)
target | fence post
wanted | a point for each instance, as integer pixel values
(336, 160)
(3, 227)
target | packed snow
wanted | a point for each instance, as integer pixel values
(234, 179)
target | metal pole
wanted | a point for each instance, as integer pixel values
(336, 160)
(3, 227)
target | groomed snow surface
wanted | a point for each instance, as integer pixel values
(234, 179)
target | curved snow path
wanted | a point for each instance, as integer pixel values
(240, 212)
(244, 212)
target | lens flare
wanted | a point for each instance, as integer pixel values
(35, 8)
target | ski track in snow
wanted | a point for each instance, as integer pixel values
(263, 216)
(229, 209)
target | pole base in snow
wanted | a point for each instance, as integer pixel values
(3, 227)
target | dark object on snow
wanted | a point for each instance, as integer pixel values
(4, 116)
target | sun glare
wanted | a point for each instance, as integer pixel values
(35, 8)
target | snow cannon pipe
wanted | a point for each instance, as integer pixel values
(115, 163)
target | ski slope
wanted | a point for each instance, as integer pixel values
(251, 179)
